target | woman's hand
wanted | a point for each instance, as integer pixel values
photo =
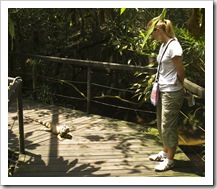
(177, 61)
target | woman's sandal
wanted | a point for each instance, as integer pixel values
(165, 165)
(158, 157)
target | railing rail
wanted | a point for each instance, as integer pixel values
(87, 63)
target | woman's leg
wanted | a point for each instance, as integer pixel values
(171, 105)
(170, 152)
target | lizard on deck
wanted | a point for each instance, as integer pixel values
(62, 131)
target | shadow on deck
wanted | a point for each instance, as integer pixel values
(100, 146)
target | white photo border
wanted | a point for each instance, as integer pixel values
(207, 180)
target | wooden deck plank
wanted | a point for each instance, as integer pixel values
(100, 146)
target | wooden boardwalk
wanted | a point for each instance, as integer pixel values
(100, 146)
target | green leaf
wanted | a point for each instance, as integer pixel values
(122, 10)
(151, 28)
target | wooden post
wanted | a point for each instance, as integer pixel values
(20, 117)
(88, 88)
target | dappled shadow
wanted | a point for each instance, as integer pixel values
(32, 165)
(13, 140)
(94, 137)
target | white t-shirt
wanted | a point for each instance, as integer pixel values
(168, 80)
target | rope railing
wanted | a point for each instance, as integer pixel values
(113, 88)
(97, 97)
(91, 66)
(125, 108)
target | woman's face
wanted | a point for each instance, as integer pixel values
(156, 34)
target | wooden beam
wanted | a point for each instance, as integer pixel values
(87, 63)
(194, 88)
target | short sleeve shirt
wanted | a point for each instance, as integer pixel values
(168, 79)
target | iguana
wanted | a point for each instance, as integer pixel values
(62, 131)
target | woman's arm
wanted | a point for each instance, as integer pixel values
(177, 61)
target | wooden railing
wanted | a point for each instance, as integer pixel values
(90, 65)
(15, 92)
(194, 88)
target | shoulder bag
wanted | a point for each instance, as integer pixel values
(155, 89)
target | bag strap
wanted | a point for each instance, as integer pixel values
(157, 77)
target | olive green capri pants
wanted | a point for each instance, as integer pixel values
(168, 109)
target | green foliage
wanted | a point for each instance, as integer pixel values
(143, 87)
(45, 93)
(193, 56)
(11, 31)
(195, 118)
(112, 35)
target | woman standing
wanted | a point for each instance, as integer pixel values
(171, 78)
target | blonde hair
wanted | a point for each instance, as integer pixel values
(165, 25)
